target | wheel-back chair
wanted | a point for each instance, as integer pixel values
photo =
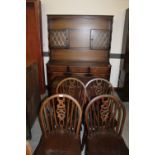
(104, 118)
(60, 119)
(98, 86)
(95, 87)
(73, 87)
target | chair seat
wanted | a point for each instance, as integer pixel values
(106, 144)
(58, 144)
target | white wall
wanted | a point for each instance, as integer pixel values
(116, 45)
(89, 7)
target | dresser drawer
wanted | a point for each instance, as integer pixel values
(54, 80)
(83, 71)
(79, 69)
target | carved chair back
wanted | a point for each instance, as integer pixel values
(98, 86)
(74, 87)
(105, 112)
(60, 112)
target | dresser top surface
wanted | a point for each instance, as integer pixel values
(78, 63)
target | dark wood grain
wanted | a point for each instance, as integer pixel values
(80, 58)
(104, 118)
(73, 87)
(28, 149)
(34, 39)
(98, 86)
(60, 120)
(32, 95)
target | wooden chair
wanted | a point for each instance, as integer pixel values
(104, 118)
(60, 119)
(98, 86)
(74, 87)
(28, 149)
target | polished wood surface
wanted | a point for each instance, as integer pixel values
(28, 149)
(104, 118)
(60, 120)
(98, 86)
(84, 71)
(79, 30)
(34, 39)
(76, 50)
(80, 21)
(73, 87)
(32, 96)
(58, 144)
(109, 109)
(106, 143)
(52, 118)
(79, 55)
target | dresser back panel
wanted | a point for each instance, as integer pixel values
(79, 55)
(79, 47)
(74, 37)
(79, 22)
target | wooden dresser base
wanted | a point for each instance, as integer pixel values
(81, 70)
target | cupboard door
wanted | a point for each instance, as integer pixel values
(58, 38)
(100, 39)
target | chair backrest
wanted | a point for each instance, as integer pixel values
(60, 112)
(73, 87)
(105, 112)
(98, 86)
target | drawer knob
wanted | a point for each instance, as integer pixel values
(88, 72)
(68, 72)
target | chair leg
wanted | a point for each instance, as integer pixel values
(84, 138)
